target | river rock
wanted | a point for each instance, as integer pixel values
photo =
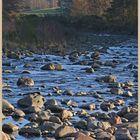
(114, 85)
(82, 113)
(82, 136)
(65, 114)
(7, 71)
(123, 134)
(108, 79)
(70, 103)
(68, 138)
(95, 55)
(27, 65)
(82, 124)
(89, 70)
(68, 92)
(29, 131)
(33, 117)
(101, 116)
(49, 66)
(64, 131)
(95, 66)
(49, 126)
(129, 83)
(26, 72)
(32, 124)
(116, 120)
(103, 125)
(13, 55)
(74, 56)
(5, 136)
(58, 67)
(91, 124)
(89, 106)
(6, 106)
(53, 106)
(117, 91)
(104, 136)
(119, 102)
(127, 125)
(131, 116)
(32, 109)
(124, 111)
(55, 119)
(43, 116)
(25, 81)
(35, 99)
(111, 130)
(106, 106)
(18, 113)
(9, 128)
(127, 94)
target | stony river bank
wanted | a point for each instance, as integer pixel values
(90, 95)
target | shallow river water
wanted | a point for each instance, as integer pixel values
(73, 77)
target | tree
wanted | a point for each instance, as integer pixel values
(122, 11)
(89, 7)
(11, 8)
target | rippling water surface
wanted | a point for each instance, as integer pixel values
(125, 53)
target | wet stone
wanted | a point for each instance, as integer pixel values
(5, 136)
(82, 124)
(18, 113)
(82, 136)
(108, 79)
(27, 65)
(107, 106)
(32, 109)
(65, 114)
(29, 131)
(43, 116)
(55, 119)
(74, 56)
(7, 71)
(53, 106)
(6, 106)
(35, 99)
(68, 92)
(116, 120)
(49, 126)
(52, 66)
(25, 81)
(13, 55)
(124, 111)
(127, 94)
(95, 55)
(89, 106)
(114, 85)
(117, 91)
(70, 103)
(104, 136)
(89, 70)
(9, 128)
(91, 125)
(103, 125)
(122, 134)
(64, 131)
(26, 72)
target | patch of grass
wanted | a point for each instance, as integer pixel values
(48, 11)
